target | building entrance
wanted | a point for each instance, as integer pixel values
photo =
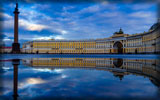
(118, 47)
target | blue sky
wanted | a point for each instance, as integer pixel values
(52, 20)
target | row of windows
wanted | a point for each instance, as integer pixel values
(105, 45)
(129, 44)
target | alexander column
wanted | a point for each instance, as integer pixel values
(16, 45)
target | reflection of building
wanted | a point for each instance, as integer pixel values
(147, 42)
(119, 67)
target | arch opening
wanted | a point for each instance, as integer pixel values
(118, 47)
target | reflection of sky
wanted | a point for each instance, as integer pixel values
(37, 83)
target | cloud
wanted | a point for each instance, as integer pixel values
(141, 6)
(29, 1)
(5, 15)
(142, 14)
(58, 37)
(61, 31)
(7, 21)
(7, 40)
(81, 21)
(32, 26)
(40, 6)
(68, 8)
(84, 1)
(90, 9)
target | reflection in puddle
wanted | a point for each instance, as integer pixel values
(118, 66)
(15, 63)
(35, 81)
(79, 77)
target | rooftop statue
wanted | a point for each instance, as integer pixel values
(120, 31)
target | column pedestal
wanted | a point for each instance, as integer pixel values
(15, 48)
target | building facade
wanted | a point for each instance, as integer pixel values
(147, 42)
(6, 50)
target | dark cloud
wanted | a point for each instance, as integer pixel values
(85, 1)
(2, 36)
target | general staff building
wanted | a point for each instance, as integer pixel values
(119, 43)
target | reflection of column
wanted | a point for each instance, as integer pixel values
(15, 63)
